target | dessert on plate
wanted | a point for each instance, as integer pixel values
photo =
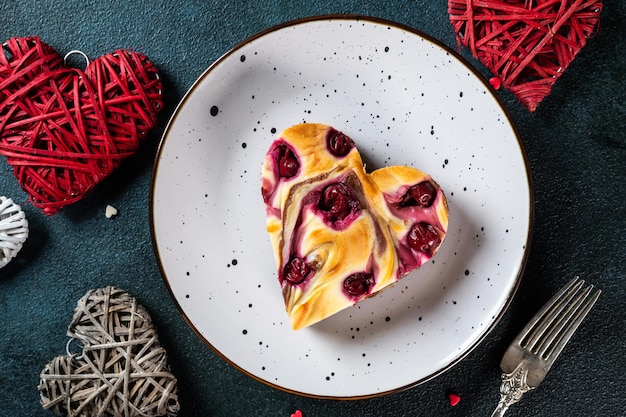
(340, 234)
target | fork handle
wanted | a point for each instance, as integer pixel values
(512, 388)
(500, 410)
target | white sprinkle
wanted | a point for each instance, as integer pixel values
(110, 211)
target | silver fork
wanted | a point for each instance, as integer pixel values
(528, 359)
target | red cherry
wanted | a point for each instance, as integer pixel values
(338, 143)
(423, 237)
(420, 195)
(297, 270)
(287, 161)
(335, 201)
(338, 201)
(358, 284)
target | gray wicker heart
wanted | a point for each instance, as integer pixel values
(122, 369)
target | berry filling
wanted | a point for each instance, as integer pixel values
(296, 271)
(338, 143)
(287, 161)
(423, 237)
(420, 195)
(338, 205)
(359, 284)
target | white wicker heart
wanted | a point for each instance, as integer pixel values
(13, 230)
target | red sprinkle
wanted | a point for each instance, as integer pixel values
(298, 413)
(454, 399)
(495, 82)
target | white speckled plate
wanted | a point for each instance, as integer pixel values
(406, 100)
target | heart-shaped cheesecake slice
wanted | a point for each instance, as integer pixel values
(341, 234)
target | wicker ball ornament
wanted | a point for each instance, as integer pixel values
(64, 129)
(526, 44)
(13, 230)
(122, 370)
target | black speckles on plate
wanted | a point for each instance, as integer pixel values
(435, 117)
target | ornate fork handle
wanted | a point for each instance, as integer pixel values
(512, 388)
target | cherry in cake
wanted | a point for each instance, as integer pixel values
(340, 234)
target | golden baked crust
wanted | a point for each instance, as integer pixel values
(339, 234)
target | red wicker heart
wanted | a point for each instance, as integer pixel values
(62, 129)
(527, 44)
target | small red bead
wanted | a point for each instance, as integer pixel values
(454, 399)
(495, 82)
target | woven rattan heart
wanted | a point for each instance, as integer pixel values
(122, 370)
(526, 44)
(62, 129)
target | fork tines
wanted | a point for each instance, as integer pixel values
(552, 327)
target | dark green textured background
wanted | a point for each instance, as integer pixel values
(576, 145)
